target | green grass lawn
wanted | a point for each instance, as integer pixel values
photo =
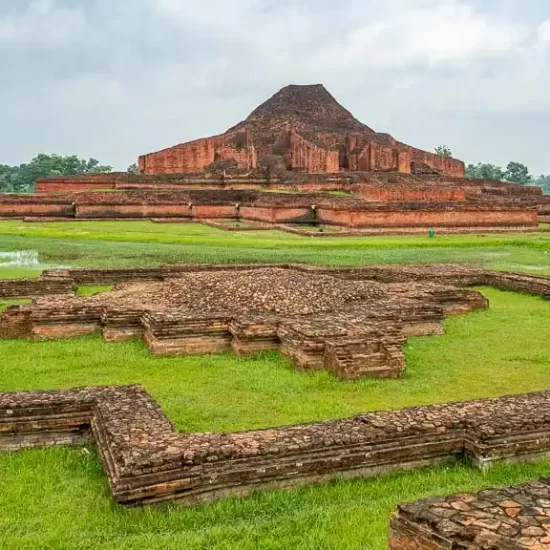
(486, 353)
(59, 499)
(124, 244)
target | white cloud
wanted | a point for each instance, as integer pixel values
(428, 34)
(544, 31)
(42, 24)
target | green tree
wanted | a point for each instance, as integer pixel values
(7, 178)
(544, 183)
(443, 151)
(518, 173)
(21, 179)
(133, 169)
(483, 171)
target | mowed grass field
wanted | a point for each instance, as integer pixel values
(58, 498)
(143, 243)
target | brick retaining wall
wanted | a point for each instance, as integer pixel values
(147, 461)
(270, 208)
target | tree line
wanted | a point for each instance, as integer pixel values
(22, 178)
(515, 172)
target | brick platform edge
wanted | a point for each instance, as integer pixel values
(512, 518)
(66, 280)
(146, 461)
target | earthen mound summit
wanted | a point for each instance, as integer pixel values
(304, 129)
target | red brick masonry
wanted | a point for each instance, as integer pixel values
(513, 518)
(336, 320)
(147, 461)
(273, 208)
(306, 130)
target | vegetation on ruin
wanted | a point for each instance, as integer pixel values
(4, 304)
(515, 172)
(91, 290)
(486, 353)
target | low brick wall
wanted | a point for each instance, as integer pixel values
(429, 217)
(28, 288)
(146, 461)
(15, 210)
(511, 518)
(403, 193)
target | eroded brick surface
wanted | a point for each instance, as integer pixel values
(308, 131)
(27, 288)
(511, 518)
(353, 327)
(147, 461)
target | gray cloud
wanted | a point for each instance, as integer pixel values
(116, 79)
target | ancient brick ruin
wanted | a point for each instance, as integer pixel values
(300, 162)
(289, 211)
(147, 461)
(29, 288)
(368, 202)
(350, 321)
(304, 129)
(351, 327)
(516, 517)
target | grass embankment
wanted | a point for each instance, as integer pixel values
(126, 244)
(58, 498)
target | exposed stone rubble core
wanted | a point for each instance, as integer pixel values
(447, 274)
(306, 130)
(512, 518)
(147, 461)
(352, 327)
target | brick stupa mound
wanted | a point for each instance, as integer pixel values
(353, 328)
(300, 128)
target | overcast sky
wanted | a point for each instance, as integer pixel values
(116, 78)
